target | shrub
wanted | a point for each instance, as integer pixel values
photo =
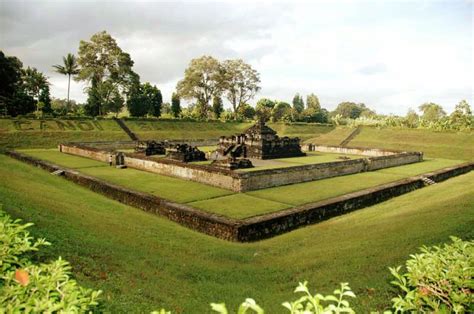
(26, 287)
(439, 279)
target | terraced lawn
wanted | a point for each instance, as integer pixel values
(241, 205)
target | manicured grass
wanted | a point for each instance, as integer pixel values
(302, 193)
(450, 145)
(62, 159)
(144, 262)
(239, 205)
(173, 189)
(335, 137)
(318, 158)
(252, 203)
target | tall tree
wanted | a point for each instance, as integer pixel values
(298, 103)
(462, 115)
(201, 82)
(312, 102)
(239, 81)
(281, 110)
(175, 105)
(106, 68)
(69, 68)
(264, 109)
(33, 82)
(217, 106)
(432, 112)
(146, 99)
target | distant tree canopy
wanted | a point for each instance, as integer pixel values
(264, 109)
(206, 78)
(175, 105)
(217, 106)
(298, 103)
(432, 112)
(108, 71)
(145, 99)
(352, 110)
(21, 89)
(312, 102)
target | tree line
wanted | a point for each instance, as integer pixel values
(113, 87)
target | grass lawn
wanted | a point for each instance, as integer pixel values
(450, 145)
(228, 203)
(334, 137)
(239, 205)
(145, 262)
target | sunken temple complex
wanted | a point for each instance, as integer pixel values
(260, 142)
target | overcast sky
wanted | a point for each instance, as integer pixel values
(390, 55)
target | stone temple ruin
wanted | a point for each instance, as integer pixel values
(260, 142)
(179, 152)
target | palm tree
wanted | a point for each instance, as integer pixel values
(69, 68)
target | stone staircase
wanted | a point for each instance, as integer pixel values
(124, 127)
(427, 181)
(58, 172)
(351, 136)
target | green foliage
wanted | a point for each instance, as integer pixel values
(36, 288)
(281, 111)
(217, 106)
(15, 242)
(306, 304)
(239, 82)
(298, 103)
(246, 111)
(352, 110)
(175, 105)
(312, 102)
(432, 112)
(146, 99)
(108, 69)
(49, 289)
(264, 108)
(69, 68)
(201, 82)
(439, 280)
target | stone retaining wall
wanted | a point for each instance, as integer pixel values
(254, 228)
(259, 179)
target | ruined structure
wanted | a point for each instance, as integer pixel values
(260, 142)
(185, 153)
(151, 148)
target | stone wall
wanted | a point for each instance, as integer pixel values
(216, 177)
(254, 228)
(258, 179)
(254, 180)
(364, 151)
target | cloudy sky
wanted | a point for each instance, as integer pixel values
(390, 55)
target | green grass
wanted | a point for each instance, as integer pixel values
(144, 262)
(450, 145)
(302, 193)
(335, 137)
(225, 202)
(239, 205)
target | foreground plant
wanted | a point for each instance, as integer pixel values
(28, 288)
(439, 280)
(306, 304)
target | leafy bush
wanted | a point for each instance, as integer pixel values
(439, 279)
(36, 288)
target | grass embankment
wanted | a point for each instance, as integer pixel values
(243, 205)
(20, 133)
(144, 262)
(450, 145)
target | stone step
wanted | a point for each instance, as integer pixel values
(58, 172)
(427, 181)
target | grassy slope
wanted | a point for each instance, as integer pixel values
(449, 145)
(334, 137)
(34, 133)
(143, 261)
